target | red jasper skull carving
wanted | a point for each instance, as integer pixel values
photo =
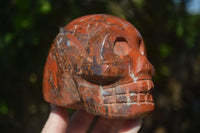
(98, 63)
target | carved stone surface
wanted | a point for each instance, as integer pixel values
(98, 63)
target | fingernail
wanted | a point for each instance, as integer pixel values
(135, 126)
(131, 126)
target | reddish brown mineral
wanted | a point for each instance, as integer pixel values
(98, 63)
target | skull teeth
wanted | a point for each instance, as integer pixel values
(136, 93)
(131, 98)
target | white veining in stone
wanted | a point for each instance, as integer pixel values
(102, 45)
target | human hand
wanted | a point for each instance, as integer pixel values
(81, 121)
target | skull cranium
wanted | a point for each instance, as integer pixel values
(98, 63)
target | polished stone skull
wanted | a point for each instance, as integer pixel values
(98, 63)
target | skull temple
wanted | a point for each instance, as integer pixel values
(98, 63)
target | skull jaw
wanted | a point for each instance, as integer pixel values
(127, 101)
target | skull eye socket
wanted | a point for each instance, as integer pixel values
(100, 80)
(121, 46)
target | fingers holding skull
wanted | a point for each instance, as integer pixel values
(81, 122)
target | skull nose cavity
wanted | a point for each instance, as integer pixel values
(121, 47)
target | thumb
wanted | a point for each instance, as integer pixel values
(57, 121)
